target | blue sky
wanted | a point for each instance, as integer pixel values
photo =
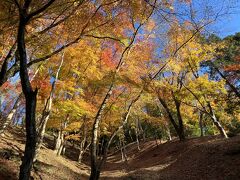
(226, 11)
(228, 25)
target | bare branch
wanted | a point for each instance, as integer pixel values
(40, 10)
(104, 37)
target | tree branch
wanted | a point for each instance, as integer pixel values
(40, 10)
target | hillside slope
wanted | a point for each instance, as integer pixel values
(197, 158)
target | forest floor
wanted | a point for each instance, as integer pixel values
(197, 158)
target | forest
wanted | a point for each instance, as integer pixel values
(119, 89)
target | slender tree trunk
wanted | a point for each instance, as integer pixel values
(180, 121)
(121, 149)
(95, 172)
(47, 110)
(216, 122)
(179, 131)
(41, 134)
(80, 155)
(130, 134)
(169, 133)
(142, 130)
(84, 138)
(9, 118)
(61, 145)
(144, 136)
(156, 138)
(7, 121)
(211, 114)
(201, 124)
(63, 148)
(23, 124)
(124, 121)
(219, 126)
(60, 141)
(59, 151)
(137, 141)
(57, 142)
(137, 134)
(3, 73)
(124, 151)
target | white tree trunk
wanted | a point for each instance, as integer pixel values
(216, 121)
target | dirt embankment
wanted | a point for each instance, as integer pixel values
(196, 158)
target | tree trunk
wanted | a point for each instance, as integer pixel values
(31, 100)
(121, 149)
(60, 146)
(124, 151)
(9, 118)
(95, 172)
(211, 114)
(7, 121)
(156, 138)
(84, 138)
(180, 121)
(201, 124)
(137, 135)
(58, 142)
(142, 130)
(82, 151)
(219, 126)
(234, 89)
(216, 122)
(80, 155)
(29, 153)
(130, 134)
(3, 73)
(47, 110)
(63, 148)
(124, 121)
(169, 133)
(41, 134)
(178, 129)
(29, 93)
(60, 149)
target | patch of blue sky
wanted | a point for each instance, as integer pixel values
(228, 18)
